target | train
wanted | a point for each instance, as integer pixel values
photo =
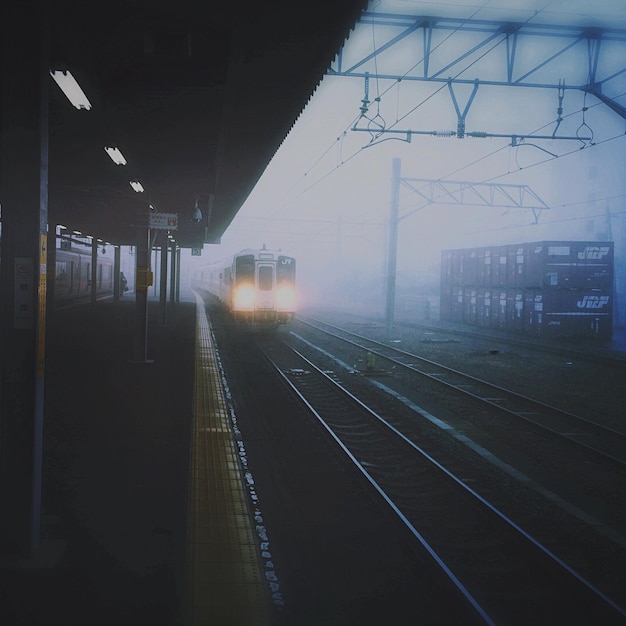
(257, 286)
(72, 276)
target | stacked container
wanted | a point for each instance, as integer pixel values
(544, 289)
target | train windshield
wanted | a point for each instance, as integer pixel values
(286, 270)
(244, 269)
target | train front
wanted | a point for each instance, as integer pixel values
(264, 290)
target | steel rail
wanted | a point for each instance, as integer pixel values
(559, 413)
(456, 481)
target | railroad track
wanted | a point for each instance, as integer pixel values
(607, 443)
(502, 573)
(601, 356)
(595, 352)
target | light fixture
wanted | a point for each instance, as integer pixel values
(116, 156)
(71, 89)
(136, 185)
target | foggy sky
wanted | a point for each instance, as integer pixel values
(326, 196)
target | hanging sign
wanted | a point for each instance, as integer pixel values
(163, 221)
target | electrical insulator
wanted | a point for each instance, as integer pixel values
(443, 133)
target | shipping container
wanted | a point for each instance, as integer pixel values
(542, 289)
(469, 305)
(459, 304)
(446, 269)
(533, 312)
(515, 310)
(571, 313)
(459, 267)
(573, 264)
(483, 268)
(483, 306)
(516, 256)
(499, 260)
(469, 267)
(499, 308)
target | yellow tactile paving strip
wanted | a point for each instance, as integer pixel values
(224, 585)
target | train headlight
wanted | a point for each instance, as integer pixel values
(285, 298)
(244, 298)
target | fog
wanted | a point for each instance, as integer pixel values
(326, 197)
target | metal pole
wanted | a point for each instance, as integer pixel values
(116, 273)
(163, 277)
(94, 271)
(173, 270)
(24, 65)
(143, 279)
(178, 275)
(393, 246)
(51, 275)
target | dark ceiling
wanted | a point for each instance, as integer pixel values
(197, 97)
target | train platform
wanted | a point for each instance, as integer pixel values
(144, 513)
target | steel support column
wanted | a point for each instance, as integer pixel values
(178, 275)
(163, 277)
(143, 280)
(23, 272)
(93, 279)
(173, 272)
(116, 273)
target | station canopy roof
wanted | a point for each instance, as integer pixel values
(196, 96)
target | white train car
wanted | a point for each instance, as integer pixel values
(257, 286)
(72, 276)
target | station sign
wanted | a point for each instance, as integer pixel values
(163, 221)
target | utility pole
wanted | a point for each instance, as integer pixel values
(392, 251)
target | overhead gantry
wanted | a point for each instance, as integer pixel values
(521, 55)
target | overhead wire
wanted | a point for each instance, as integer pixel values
(407, 72)
(379, 95)
(571, 152)
(340, 138)
(508, 147)
(573, 218)
(441, 43)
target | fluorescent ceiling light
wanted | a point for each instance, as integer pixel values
(116, 156)
(136, 185)
(71, 89)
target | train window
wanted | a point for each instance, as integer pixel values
(266, 277)
(244, 268)
(61, 270)
(286, 270)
